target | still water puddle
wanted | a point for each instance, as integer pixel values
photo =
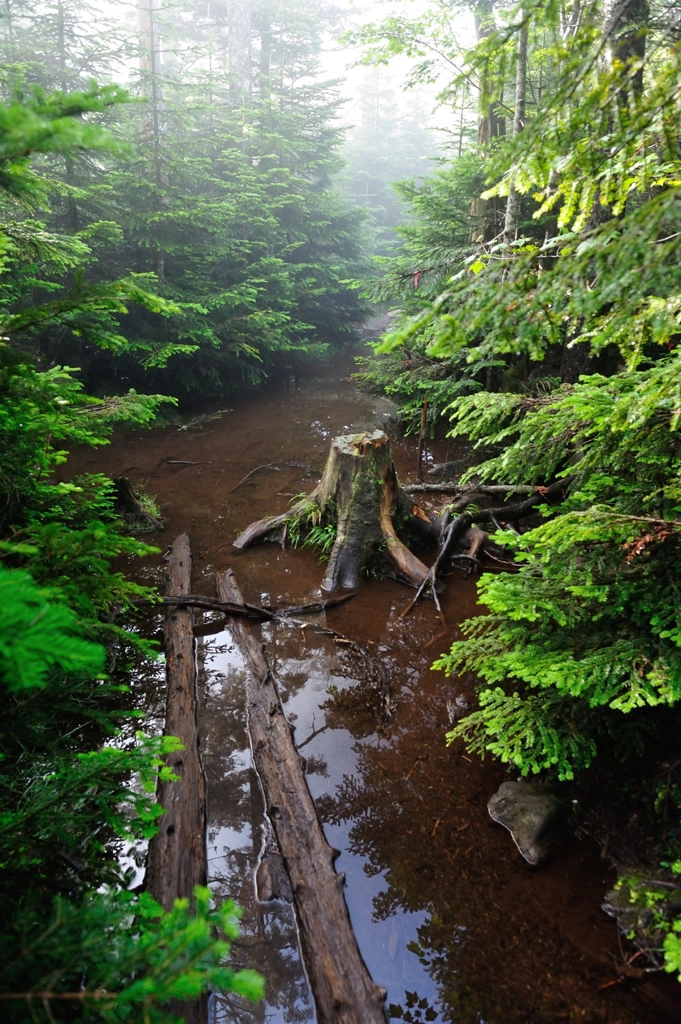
(448, 917)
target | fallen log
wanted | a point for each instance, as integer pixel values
(359, 489)
(490, 489)
(177, 860)
(250, 611)
(457, 527)
(342, 988)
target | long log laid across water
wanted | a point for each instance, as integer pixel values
(343, 990)
(452, 488)
(177, 860)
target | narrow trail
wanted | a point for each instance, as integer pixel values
(442, 904)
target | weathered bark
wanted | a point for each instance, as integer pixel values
(127, 504)
(342, 988)
(177, 860)
(453, 531)
(491, 489)
(513, 201)
(360, 487)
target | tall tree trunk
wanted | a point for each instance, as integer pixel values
(71, 206)
(624, 31)
(150, 65)
(265, 32)
(490, 126)
(239, 29)
(513, 201)
(10, 30)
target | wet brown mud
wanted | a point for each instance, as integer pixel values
(443, 905)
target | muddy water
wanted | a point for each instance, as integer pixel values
(448, 917)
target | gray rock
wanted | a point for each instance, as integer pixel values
(532, 814)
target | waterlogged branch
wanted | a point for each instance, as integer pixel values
(96, 995)
(490, 489)
(250, 611)
(458, 526)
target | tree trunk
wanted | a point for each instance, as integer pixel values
(360, 488)
(513, 201)
(343, 990)
(177, 860)
(240, 57)
(490, 126)
(625, 30)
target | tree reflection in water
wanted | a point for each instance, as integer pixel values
(498, 943)
(455, 917)
(269, 941)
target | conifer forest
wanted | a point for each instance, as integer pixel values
(340, 511)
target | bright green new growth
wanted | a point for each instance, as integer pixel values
(311, 529)
(134, 956)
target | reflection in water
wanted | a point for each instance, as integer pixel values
(269, 941)
(436, 893)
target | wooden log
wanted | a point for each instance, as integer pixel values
(342, 988)
(458, 527)
(493, 490)
(177, 860)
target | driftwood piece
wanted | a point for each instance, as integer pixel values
(263, 613)
(458, 527)
(177, 860)
(343, 990)
(359, 487)
(493, 490)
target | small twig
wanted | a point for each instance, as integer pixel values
(422, 437)
(315, 732)
(265, 465)
(501, 561)
(81, 996)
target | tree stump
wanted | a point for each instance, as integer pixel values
(360, 490)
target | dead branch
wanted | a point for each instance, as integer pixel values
(250, 611)
(491, 489)
(266, 465)
(458, 526)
